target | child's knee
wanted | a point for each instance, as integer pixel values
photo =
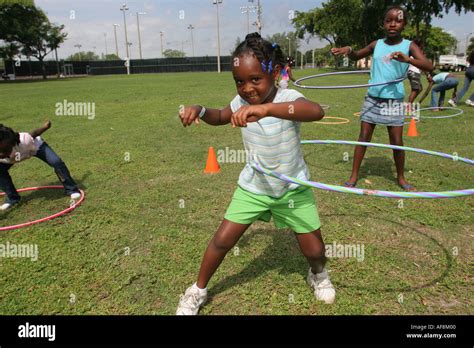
(57, 163)
(221, 242)
(365, 136)
(315, 253)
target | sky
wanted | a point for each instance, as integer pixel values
(90, 23)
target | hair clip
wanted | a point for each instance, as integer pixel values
(274, 45)
(267, 67)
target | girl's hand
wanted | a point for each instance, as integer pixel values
(189, 115)
(400, 57)
(248, 113)
(340, 51)
(47, 124)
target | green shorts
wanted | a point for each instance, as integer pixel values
(295, 210)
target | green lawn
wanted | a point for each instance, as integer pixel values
(132, 247)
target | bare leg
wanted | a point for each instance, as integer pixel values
(223, 240)
(312, 247)
(366, 131)
(413, 95)
(396, 138)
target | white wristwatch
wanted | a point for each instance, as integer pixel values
(203, 111)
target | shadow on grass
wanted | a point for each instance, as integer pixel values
(371, 166)
(49, 194)
(274, 257)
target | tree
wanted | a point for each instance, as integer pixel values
(436, 41)
(83, 56)
(421, 12)
(43, 38)
(111, 56)
(55, 38)
(357, 22)
(169, 53)
(470, 48)
(337, 21)
(285, 40)
(322, 56)
(27, 26)
(8, 52)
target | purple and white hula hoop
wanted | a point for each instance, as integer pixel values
(358, 191)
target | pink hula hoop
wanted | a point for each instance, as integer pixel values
(63, 212)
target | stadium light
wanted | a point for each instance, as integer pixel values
(217, 2)
(123, 9)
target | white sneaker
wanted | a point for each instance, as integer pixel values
(191, 301)
(323, 288)
(452, 103)
(469, 102)
(75, 195)
(5, 206)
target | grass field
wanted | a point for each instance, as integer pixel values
(137, 241)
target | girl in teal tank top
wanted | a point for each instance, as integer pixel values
(384, 104)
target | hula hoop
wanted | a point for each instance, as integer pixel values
(342, 120)
(63, 212)
(358, 191)
(324, 106)
(297, 83)
(460, 112)
(357, 114)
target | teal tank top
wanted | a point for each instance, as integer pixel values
(384, 69)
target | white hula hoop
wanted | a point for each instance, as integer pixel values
(297, 83)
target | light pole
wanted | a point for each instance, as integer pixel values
(79, 50)
(116, 43)
(217, 2)
(161, 38)
(123, 9)
(139, 38)
(130, 45)
(190, 27)
(247, 9)
(289, 47)
(258, 23)
(105, 40)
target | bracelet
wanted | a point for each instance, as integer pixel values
(350, 50)
(203, 111)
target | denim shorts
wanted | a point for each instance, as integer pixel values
(386, 112)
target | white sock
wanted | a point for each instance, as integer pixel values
(202, 291)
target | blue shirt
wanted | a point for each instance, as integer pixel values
(384, 69)
(438, 78)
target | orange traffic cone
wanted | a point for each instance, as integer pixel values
(412, 132)
(212, 166)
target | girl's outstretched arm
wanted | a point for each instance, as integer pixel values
(37, 132)
(213, 117)
(355, 55)
(301, 110)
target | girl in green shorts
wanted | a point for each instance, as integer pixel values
(270, 120)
